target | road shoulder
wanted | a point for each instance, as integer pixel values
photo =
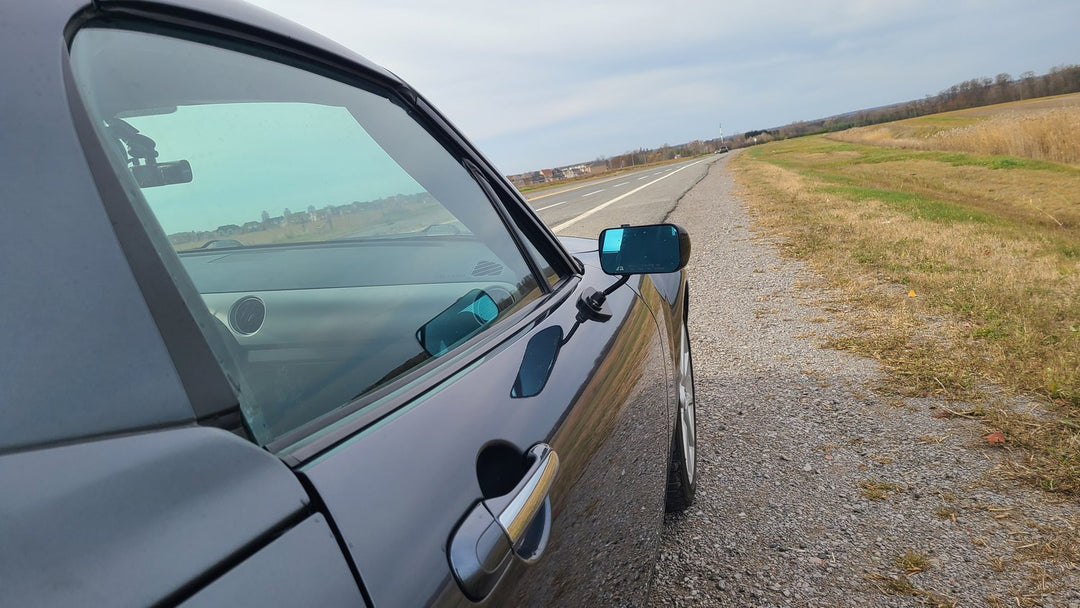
(814, 489)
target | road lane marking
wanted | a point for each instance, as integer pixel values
(622, 184)
(594, 192)
(643, 177)
(552, 205)
(601, 206)
(589, 183)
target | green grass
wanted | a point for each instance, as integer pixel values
(958, 159)
(990, 245)
(913, 205)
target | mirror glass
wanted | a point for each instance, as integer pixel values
(461, 321)
(644, 249)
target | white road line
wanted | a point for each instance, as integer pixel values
(552, 205)
(622, 184)
(593, 192)
(643, 177)
(620, 197)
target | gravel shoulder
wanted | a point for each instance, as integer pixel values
(814, 490)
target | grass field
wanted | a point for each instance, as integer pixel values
(1036, 129)
(955, 240)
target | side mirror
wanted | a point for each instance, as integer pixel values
(461, 321)
(644, 249)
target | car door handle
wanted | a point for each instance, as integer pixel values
(516, 510)
(500, 528)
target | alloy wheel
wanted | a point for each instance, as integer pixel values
(687, 406)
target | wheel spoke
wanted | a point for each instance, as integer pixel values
(687, 407)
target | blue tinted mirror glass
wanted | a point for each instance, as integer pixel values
(460, 321)
(644, 249)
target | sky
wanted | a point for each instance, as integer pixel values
(539, 85)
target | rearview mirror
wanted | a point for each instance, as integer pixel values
(162, 174)
(644, 249)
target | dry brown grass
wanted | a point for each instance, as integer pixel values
(1052, 135)
(874, 489)
(912, 562)
(1046, 552)
(901, 585)
(1033, 129)
(1052, 542)
(960, 273)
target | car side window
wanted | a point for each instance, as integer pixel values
(546, 271)
(336, 242)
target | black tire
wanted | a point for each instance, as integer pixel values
(682, 465)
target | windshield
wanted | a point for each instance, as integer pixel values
(250, 191)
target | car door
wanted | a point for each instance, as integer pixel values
(401, 491)
(398, 328)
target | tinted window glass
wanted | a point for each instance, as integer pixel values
(336, 242)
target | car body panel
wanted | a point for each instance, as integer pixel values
(133, 520)
(86, 322)
(303, 567)
(401, 486)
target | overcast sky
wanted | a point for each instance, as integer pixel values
(543, 84)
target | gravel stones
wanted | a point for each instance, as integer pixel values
(812, 488)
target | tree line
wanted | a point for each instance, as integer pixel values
(968, 94)
(645, 156)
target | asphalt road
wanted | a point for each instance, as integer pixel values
(638, 197)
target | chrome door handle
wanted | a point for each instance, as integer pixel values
(516, 510)
(498, 529)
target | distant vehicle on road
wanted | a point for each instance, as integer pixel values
(723, 149)
(276, 334)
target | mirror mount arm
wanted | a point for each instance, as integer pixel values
(607, 292)
(591, 304)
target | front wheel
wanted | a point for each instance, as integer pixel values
(682, 470)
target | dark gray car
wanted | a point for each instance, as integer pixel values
(275, 333)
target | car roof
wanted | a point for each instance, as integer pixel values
(241, 17)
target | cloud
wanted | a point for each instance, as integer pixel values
(635, 73)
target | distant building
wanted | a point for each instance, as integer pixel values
(532, 178)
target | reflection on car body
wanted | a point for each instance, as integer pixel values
(277, 334)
